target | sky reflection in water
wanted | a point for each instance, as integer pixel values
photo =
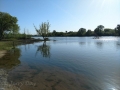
(70, 63)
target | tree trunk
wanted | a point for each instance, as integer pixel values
(1, 35)
(43, 38)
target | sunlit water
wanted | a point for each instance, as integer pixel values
(69, 63)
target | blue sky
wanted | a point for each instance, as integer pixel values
(63, 15)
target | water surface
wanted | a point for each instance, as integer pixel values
(69, 63)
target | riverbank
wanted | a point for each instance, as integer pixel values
(7, 44)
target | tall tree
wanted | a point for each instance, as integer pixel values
(109, 32)
(54, 33)
(99, 30)
(118, 29)
(65, 33)
(43, 29)
(7, 23)
(81, 32)
(89, 33)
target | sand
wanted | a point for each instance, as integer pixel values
(2, 53)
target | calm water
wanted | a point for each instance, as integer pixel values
(69, 63)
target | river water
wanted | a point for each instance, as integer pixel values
(69, 63)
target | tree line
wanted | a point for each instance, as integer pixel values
(9, 28)
(99, 31)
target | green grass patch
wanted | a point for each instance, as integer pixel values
(6, 45)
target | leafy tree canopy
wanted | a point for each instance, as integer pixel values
(43, 29)
(118, 29)
(99, 30)
(7, 23)
(81, 32)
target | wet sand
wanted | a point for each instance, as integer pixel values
(2, 53)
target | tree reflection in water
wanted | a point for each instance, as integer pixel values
(99, 44)
(118, 44)
(82, 43)
(44, 49)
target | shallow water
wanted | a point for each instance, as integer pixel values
(69, 63)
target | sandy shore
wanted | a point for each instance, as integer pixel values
(2, 53)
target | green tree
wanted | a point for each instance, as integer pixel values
(81, 32)
(118, 29)
(109, 32)
(43, 30)
(54, 33)
(89, 33)
(7, 23)
(71, 33)
(99, 30)
(65, 33)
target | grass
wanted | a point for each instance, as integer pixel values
(6, 45)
